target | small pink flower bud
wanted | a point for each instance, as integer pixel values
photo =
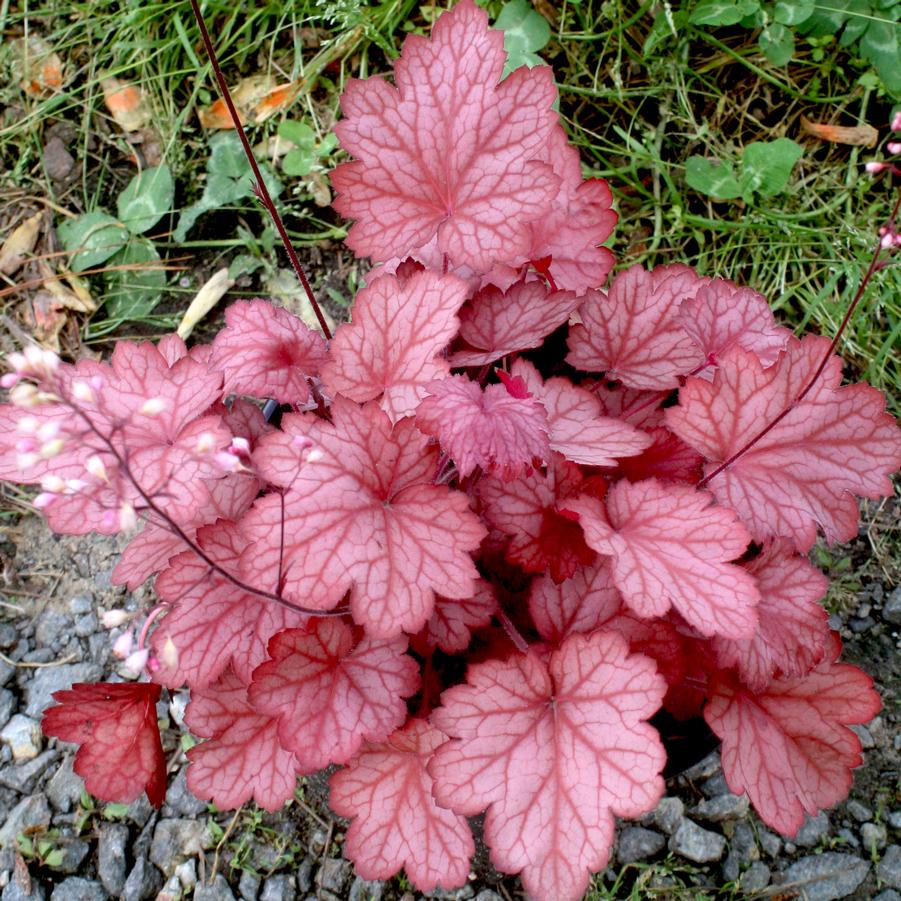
(9, 380)
(113, 618)
(95, 467)
(53, 485)
(17, 362)
(128, 519)
(25, 395)
(26, 446)
(874, 167)
(82, 391)
(153, 407)
(205, 443)
(301, 442)
(136, 662)
(28, 425)
(73, 486)
(44, 500)
(894, 146)
(315, 455)
(169, 656)
(48, 431)
(26, 460)
(109, 519)
(887, 240)
(228, 462)
(896, 121)
(50, 449)
(239, 446)
(124, 645)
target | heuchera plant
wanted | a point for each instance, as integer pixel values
(463, 568)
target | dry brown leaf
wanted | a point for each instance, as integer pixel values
(70, 298)
(204, 301)
(284, 287)
(42, 69)
(127, 104)
(256, 99)
(855, 135)
(48, 317)
(19, 244)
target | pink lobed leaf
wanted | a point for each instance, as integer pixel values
(502, 430)
(634, 333)
(554, 751)
(451, 625)
(788, 747)
(120, 754)
(450, 153)
(365, 516)
(393, 347)
(331, 694)
(835, 443)
(672, 547)
(242, 759)
(265, 351)
(386, 792)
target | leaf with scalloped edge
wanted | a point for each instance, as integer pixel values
(451, 625)
(450, 153)
(671, 547)
(364, 516)
(332, 693)
(394, 345)
(789, 747)
(836, 443)
(242, 759)
(633, 333)
(120, 754)
(554, 750)
(386, 792)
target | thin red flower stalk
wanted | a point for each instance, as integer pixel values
(260, 187)
(858, 295)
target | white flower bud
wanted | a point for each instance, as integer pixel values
(113, 618)
(73, 486)
(82, 391)
(95, 467)
(26, 460)
(28, 425)
(124, 645)
(51, 448)
(48, 431)
(153, 407)
(17, 362)
(128, 519)
(239, 446)
(136, 662)
(25, 395)
(315, 455)
(43, 500)
(205, 443)
(169, 656)
(53, 484)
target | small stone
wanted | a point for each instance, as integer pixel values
(248, 886)
(50, 626)
(715, 786)
(636, 843)
(77, 889)
(724, 807)
(888, 895)
(174, 841)
(74, 852)
(755, 878)
(464, 893)
(7, 705)
(186, 873)
(858, 811)
(218, 890)
(891, 609)
(731, 867)
(894, 819)
(487, 895)
(9, 635)
(23, 776)
(864, 609)
(743, 843)
(848, 838)
(770, 842)
(704, 769)
(143, 882)
(23, 736)
(873, 836)
(278, 888)
(888, 870)
(179, 799)
(65, 786)
(333, 875)
(86, 625)
(668, 814)
(694, 843)
(835, 622)
(39, 691)
(858, 625)
(826, 877)
(81, 604)
(361, 890)
(812, 831)
(111, 856)
(305, 875)
(58, 162)
(139, 811)
(318, 840)
(172, 890)
(14, 891)
(32, 812)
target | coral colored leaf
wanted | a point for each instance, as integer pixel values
(121, 755)
(242, 759)
(393, 347)
(213, 623)
(265, 351)
(581, 603)
(491, 427)
(671, 547)
(450, 153)
(835, 443)
(793, 634)
(668, 458)
(331, 695)
(451, 625)
(576, 428)
(365, 516)
(788, 746)
(386, 792)
(527, 510)
(554, 751)
(722, 315)
(634, 334)
(496, 323)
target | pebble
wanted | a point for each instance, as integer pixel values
(74, 852)
(487, 895)
(33, 811)
(706, 768)
(873, 836)
(668, 814)
(755, 878)
(23, 776)
(888, 870)
(111, 856)
(39, 691)
(218, 890)
(812, 830)
(858, 811)
(7, 670)
(86, 625)
(51, 625)
(13, 891)
(636, 843)
(7, 705)
(723, 807)
(361, 890)
(23, 736)
(743, 843)
(333, 875)
(715, 786)
(179, 799)
(186, 873)
(174, 841)
(894, 819)
(464, 893)
(891, 609)
(888, 895)
(858, 625)
(827, 877)
(867, 742)
(58, 162)
(9, 635)
(77, 889)
(278, 888)
(694, 843)
(65, 786)
(248, 885)
(81, 604)
(143, 882)
(305, 875)
(770, 842)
